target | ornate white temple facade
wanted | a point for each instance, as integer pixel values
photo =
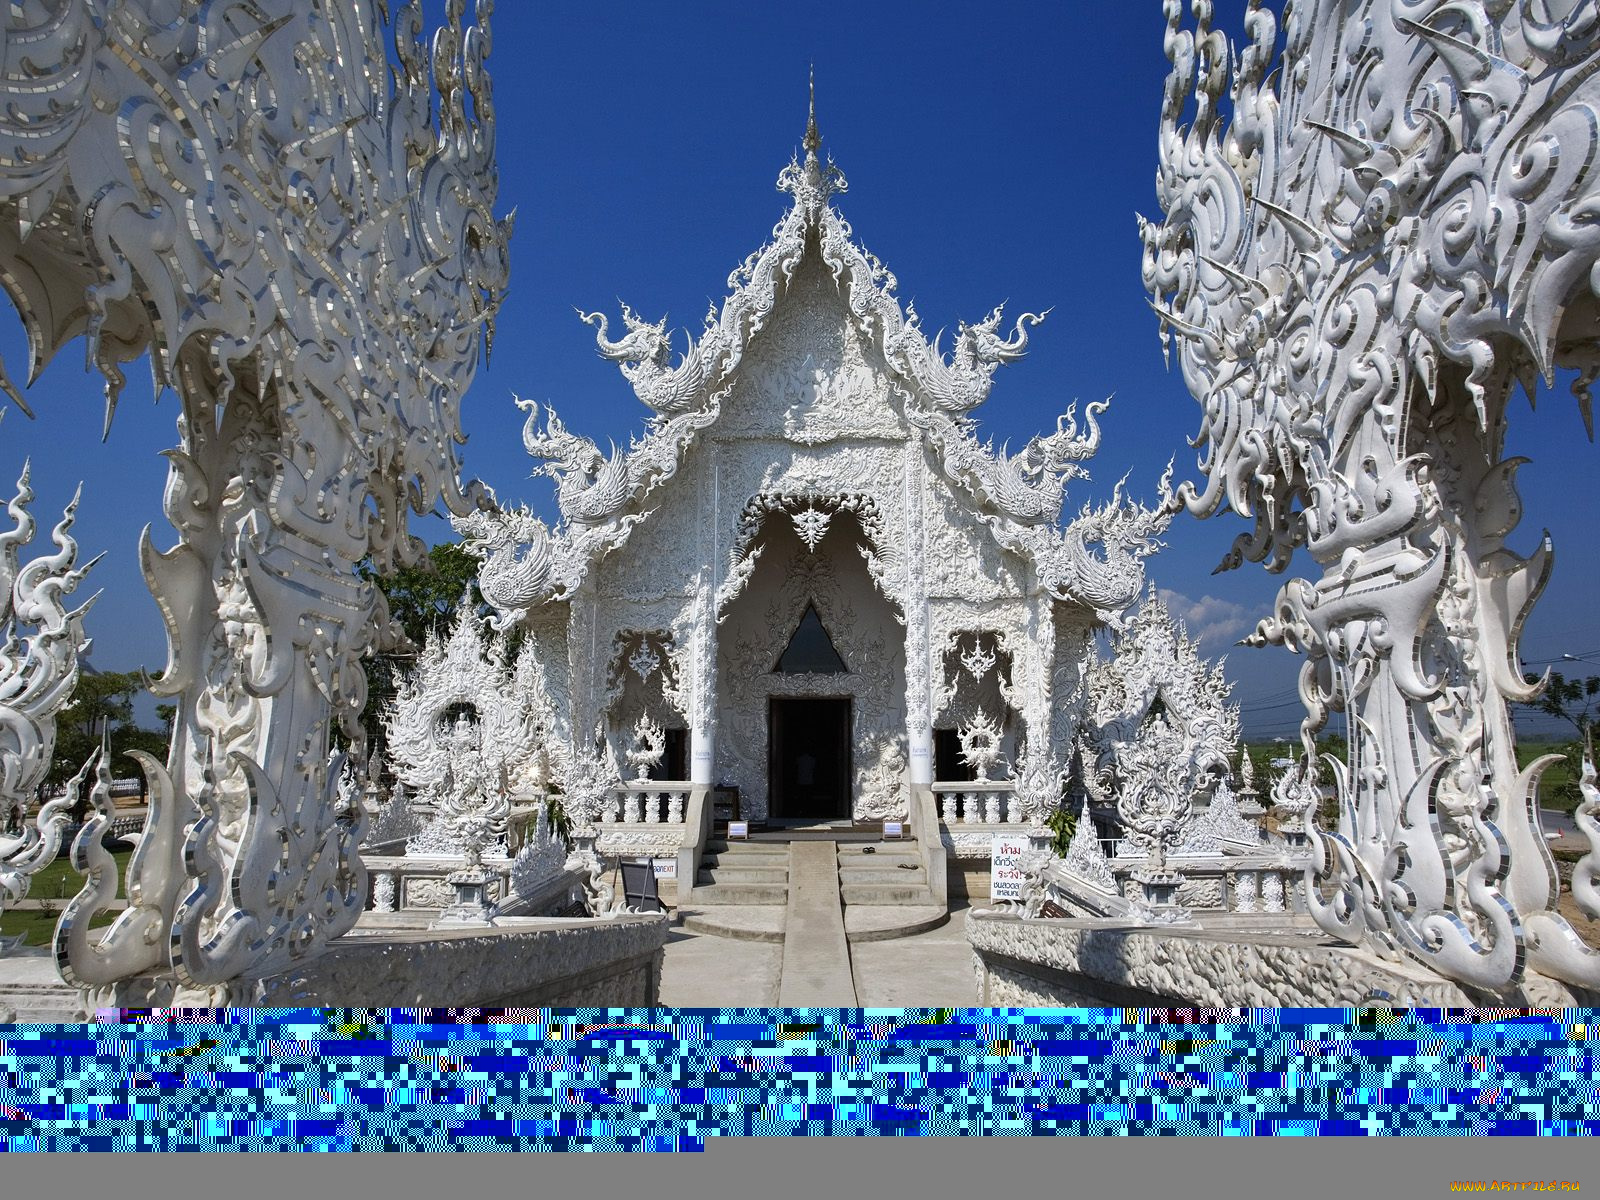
(808, 571)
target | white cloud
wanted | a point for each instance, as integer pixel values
(1212, 622)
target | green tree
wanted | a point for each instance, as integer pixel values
(102, 704)
(426, 596)
(1570, 700)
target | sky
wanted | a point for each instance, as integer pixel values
(994, 154)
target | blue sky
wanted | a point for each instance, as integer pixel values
(994, 154)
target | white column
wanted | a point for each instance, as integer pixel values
(703, 692)
(919, 717)
(703, 685)
(702, 755)
(920, 738)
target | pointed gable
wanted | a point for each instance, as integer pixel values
(810, 650)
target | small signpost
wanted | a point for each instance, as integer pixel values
(739, 829)
(1006, 851)
(893, 829)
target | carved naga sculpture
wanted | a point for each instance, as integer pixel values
(37, 678)
(1394, 229)
(266, 201)
(960, 384)
(590, 486)
(644, 355)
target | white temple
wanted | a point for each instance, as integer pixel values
(808, 571)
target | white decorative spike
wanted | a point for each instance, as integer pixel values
(38, 673)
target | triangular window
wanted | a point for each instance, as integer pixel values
(810, 650)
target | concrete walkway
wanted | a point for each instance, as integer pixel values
(929, 970)
(816, 956)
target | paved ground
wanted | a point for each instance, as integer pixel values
(701, 971)
(928, 970)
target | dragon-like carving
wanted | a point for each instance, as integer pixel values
(1394, 229)
(519, 557)
(38, 672)
(1109, 579)
(956, 386)
(1026, 487)
(590, 487)
(644, 355)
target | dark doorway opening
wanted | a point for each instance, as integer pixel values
(947, 764)
(809, 760)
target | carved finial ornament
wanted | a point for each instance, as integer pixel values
(813, 141)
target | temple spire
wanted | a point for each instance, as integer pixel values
(811, 182)
(813, 140)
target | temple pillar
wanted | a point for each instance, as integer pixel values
(919, 710)
(703, 690)
(920, 740)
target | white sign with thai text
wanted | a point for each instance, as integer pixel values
(1006, 852)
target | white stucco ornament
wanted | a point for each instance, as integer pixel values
(1159, 729)
(1394, 228)
(466, 675)
(288, 206)
(38, 672)
(980, 745)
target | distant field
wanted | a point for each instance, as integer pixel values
(56, 883)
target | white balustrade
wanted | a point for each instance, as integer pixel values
(657, 804)
(982, 803)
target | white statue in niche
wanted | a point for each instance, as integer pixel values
(649, 747)
(980, 745)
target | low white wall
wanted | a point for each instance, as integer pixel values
(522, 963)
(1070, 962)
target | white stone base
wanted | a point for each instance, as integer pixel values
(1066, 962)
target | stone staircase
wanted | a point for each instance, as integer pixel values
(741, 891)
(742, 888)
(743, 873)
(882, 873)
(885, 891)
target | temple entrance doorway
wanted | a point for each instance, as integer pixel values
(809, 769)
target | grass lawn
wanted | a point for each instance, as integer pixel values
(57, 883)
(1558, 788)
